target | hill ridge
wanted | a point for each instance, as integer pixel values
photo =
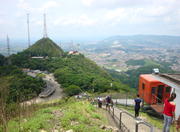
(45, 47)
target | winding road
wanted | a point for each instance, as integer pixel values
(52, 85)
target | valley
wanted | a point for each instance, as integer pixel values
(115, 53)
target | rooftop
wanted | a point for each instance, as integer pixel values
(149, 78)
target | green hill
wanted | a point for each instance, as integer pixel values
(74, 72)
(45, 47)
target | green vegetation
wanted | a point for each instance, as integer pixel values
(19, 86)
(72, 90)
(2, 60)
(15, 87)
(135, 62)
(45, 47)
(40, 75)
(80, 116)
(144, 62)
(131, 77)
(70, 70)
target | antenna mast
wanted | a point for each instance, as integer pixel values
(45, 28)
(29, 42)
(8, 46)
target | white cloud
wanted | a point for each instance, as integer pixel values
(82, 20)
(24, 5)
(1, 21)
(88, 2)
(117, 13)
(48, 5)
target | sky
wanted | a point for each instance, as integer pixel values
(89, 19)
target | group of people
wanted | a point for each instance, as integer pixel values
(168, 112)
(108, 101)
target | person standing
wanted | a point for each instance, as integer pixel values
(169, 112)
(137, 106)
(99, 102)
(108, 101)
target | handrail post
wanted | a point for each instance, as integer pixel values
(142, 122)
(136, 126)
(126, 100)
(113, 112)
(120, 122)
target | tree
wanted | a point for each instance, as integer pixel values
(72, 90)
(2, 60)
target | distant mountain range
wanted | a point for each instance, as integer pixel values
(155, 41)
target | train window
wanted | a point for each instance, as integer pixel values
(168, 89)
(143, 86)
(153, 90)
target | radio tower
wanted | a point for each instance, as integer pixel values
(45, 29)
(29, 42)
(8, 46)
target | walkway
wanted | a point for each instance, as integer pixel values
(128, 122)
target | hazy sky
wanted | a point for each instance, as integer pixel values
(89, 19)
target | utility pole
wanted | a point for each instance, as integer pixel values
(29, 42)
(8, 46)
(45, 28)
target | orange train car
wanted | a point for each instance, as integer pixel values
(153, 91)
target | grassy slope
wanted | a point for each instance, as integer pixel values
(80, 116)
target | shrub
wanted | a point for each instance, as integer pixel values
(72, 90)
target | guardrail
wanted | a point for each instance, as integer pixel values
(120, 123)
(158, 100)
(144, 123)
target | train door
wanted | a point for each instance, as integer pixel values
(160, 93)
(153, 93)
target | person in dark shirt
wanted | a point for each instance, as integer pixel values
(137, 105)
(109, 102)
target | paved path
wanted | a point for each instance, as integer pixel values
(130, 122)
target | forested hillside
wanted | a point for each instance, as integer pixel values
(73, 72)
(131, 77)
(16, 86)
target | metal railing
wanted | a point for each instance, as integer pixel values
(158, 100)
(122, 126)
(144, 123)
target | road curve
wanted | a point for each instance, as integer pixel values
(52, 84)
